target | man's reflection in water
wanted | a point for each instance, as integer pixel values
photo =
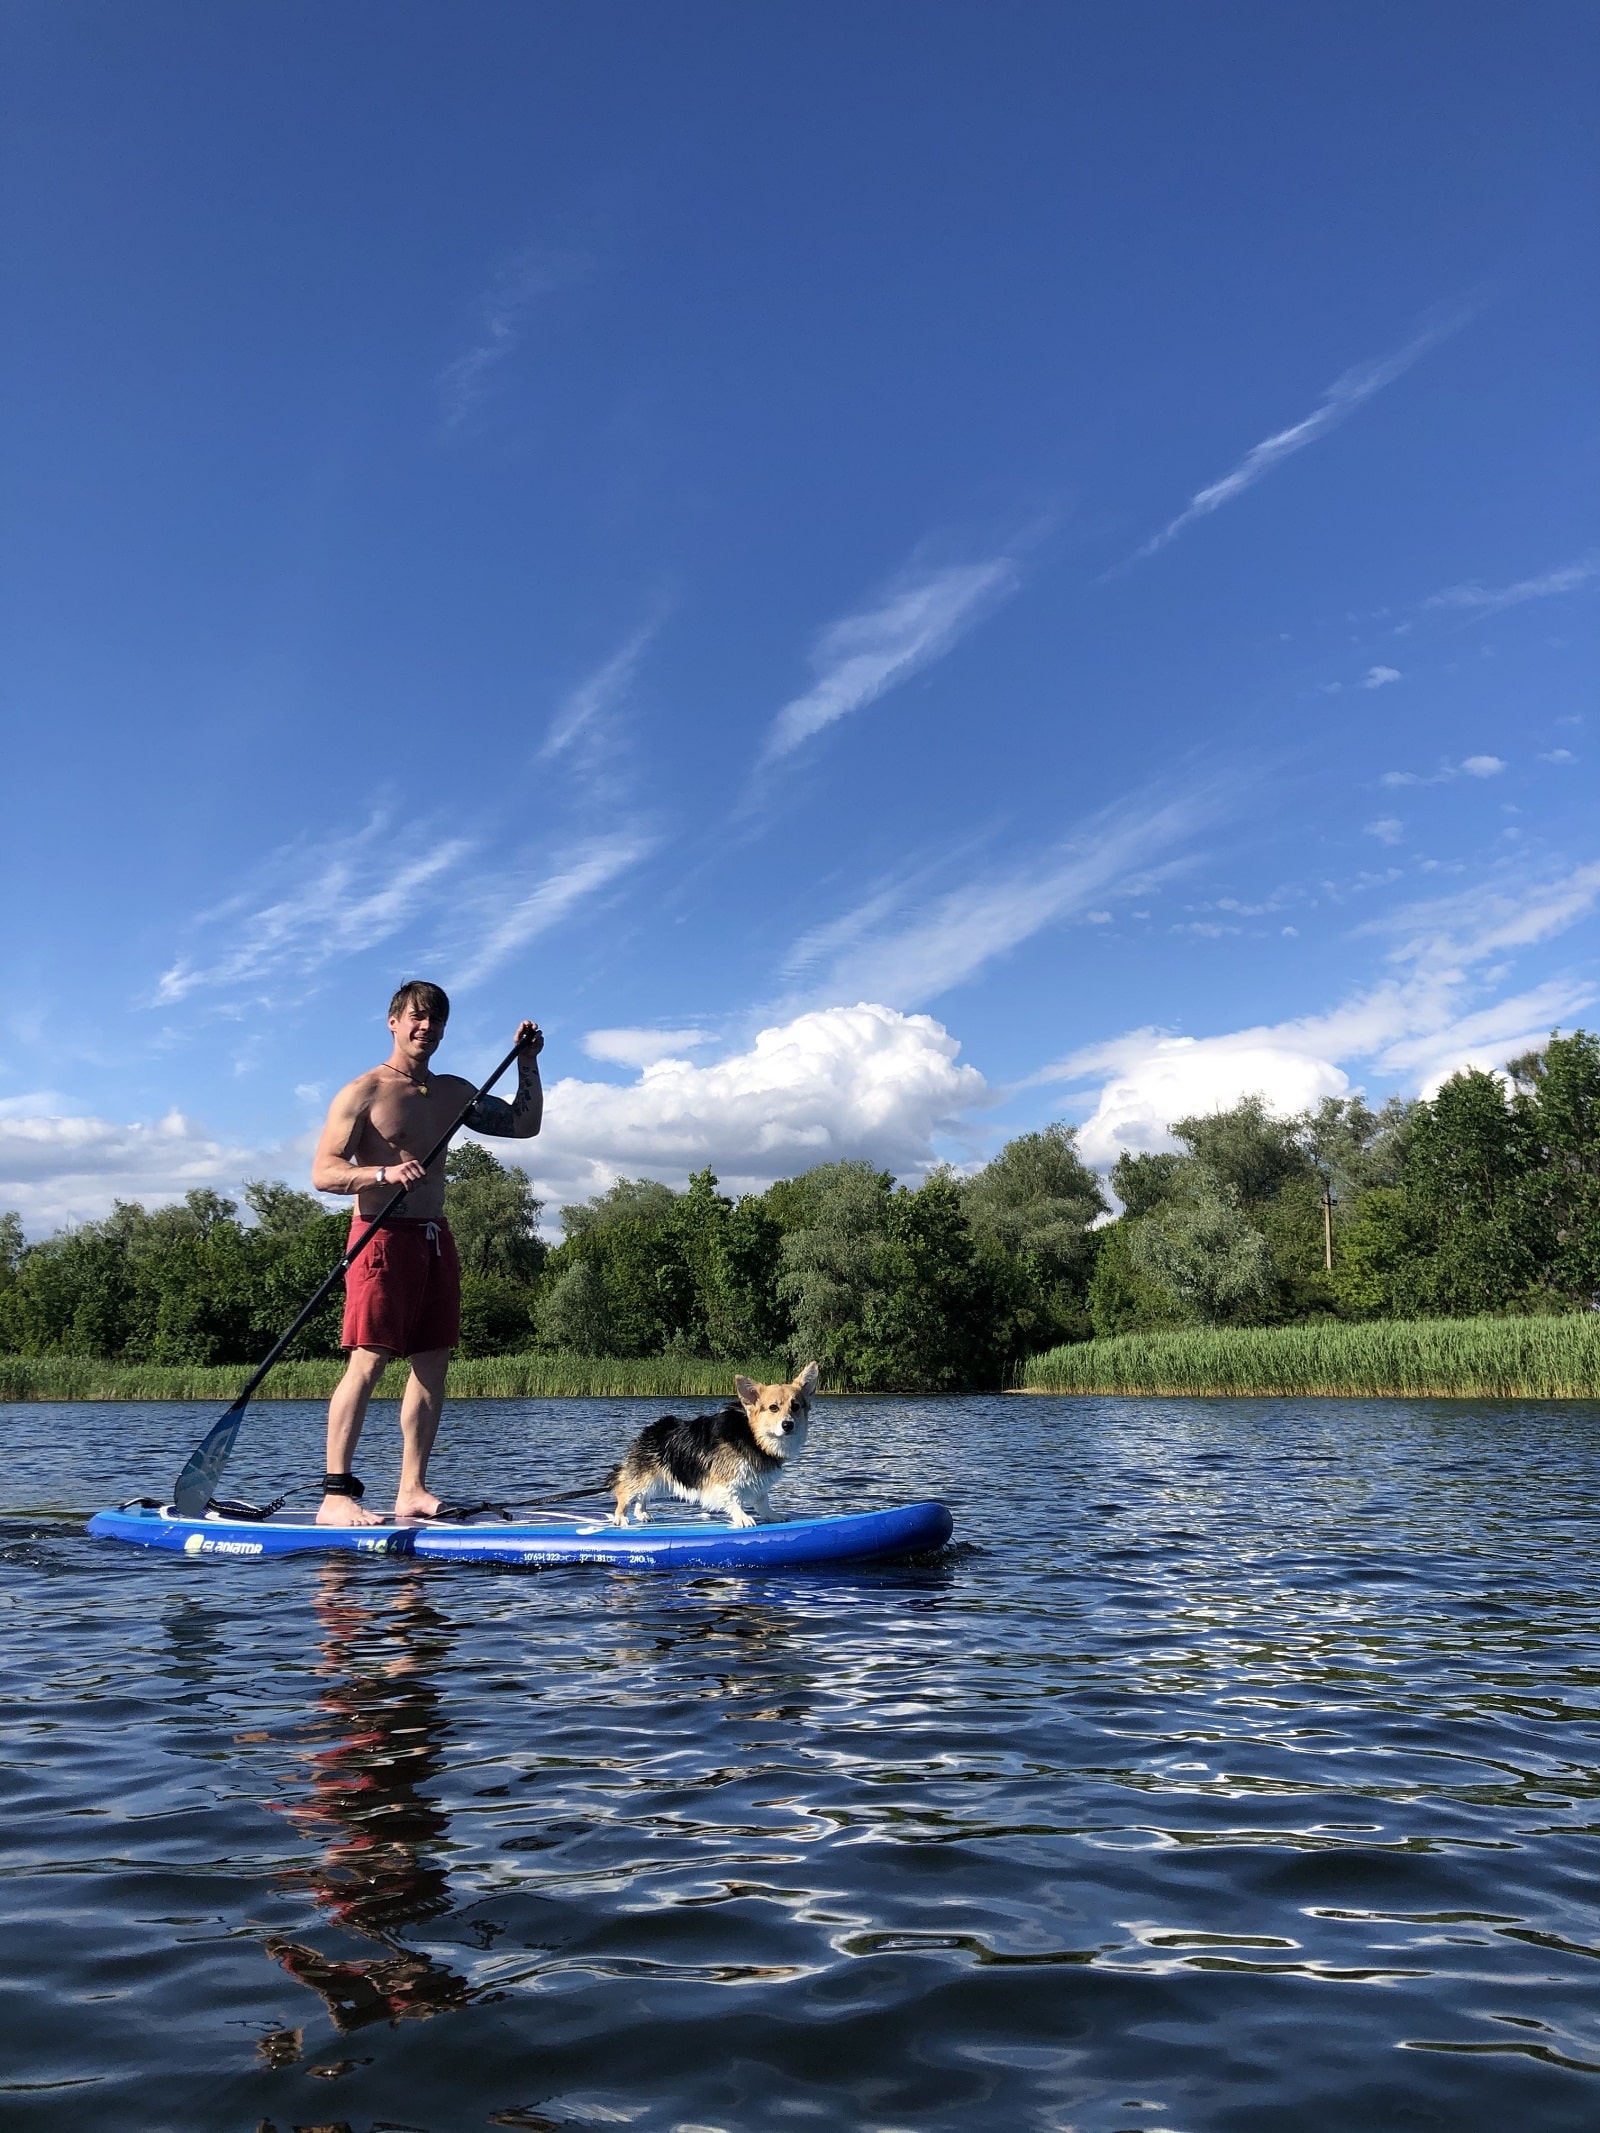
(375, 1741)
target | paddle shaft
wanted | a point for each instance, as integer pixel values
(198, 1481)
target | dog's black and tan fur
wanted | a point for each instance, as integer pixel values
(724, 1462)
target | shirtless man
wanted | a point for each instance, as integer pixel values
(403, 1295)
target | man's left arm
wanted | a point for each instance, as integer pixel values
(521, 1118)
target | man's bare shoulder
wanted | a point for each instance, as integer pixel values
(357, 1095)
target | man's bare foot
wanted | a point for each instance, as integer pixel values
(345, 1511)
(418, 1504)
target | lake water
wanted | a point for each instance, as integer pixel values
(1235, 1768)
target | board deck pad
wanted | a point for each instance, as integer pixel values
(683, 1544)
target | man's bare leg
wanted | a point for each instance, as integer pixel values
(347, 1410)
(420, 1411)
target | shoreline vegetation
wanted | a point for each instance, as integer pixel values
(1446, 1246)
(1546, 1358)
(1551, 1358)
(493, 1377)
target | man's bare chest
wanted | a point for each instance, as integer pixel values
(404, 1119)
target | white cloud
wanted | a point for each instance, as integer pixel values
(501, 315)
(880, 950)
(1484, 599)
(341, 897)
(1475, 766)
(55, 1170)
(507, 918)
(861, 1082)
(858, 658)
(1154, 1079)
(1417, 1026)
(1558, 755)
(642, 1047)
(579, 726)
(1342, 398)
(1379, 677)
(1389, 830)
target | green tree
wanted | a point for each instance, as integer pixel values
(1123, 1297)
(279, 1209)
(831, 1265)
(1145, 1182)
(930, 1319)
(1209, 1257)
(1558, 1099)
(1032, 1212)
(493, 1215)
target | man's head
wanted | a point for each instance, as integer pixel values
(417, 1016)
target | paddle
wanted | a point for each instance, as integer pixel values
(197, 1484)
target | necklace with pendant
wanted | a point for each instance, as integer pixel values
(421, 1087)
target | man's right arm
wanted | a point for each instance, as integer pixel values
(331, 1167)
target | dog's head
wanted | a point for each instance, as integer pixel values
(779, 1414)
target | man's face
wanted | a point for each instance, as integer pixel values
(417, 1033)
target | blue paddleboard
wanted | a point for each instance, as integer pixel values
(686, 1544)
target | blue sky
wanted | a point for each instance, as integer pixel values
(891, 572)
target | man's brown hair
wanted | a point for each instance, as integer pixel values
(422, 998)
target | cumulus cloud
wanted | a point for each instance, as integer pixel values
(1388, 830)
(1483, 766)
(841, 1082)
(57, 1169)
(1341, 399)
(858, 658)
(1379, 677)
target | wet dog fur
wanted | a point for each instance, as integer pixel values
(724, 1462)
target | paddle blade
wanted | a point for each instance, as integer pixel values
(197, 1484)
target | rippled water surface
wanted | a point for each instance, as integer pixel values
(1234, 1768)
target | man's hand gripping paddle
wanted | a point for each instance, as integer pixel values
(197, 1484)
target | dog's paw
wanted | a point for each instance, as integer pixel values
(740, 1517)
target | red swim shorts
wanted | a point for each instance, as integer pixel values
(404, 1292)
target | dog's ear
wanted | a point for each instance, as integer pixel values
(807, 1380)
(748, 1390)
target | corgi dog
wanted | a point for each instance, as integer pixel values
(724, 1462)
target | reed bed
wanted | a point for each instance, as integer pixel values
(492, 1377)
(1435, 1358)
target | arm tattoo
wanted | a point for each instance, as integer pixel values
(492, 1115)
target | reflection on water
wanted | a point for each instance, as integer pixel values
(376, 1738)
(1238, 1770)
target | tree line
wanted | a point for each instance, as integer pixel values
(1486, 1198)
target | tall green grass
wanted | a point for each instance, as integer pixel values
(1450, 1358)
(493, 1377)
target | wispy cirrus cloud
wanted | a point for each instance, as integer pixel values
(583, 730)
(1475, 599)
(341, 897)
(501, 319)
(858, 658)
(505, 919)
(888, 948)
(1338, 403)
